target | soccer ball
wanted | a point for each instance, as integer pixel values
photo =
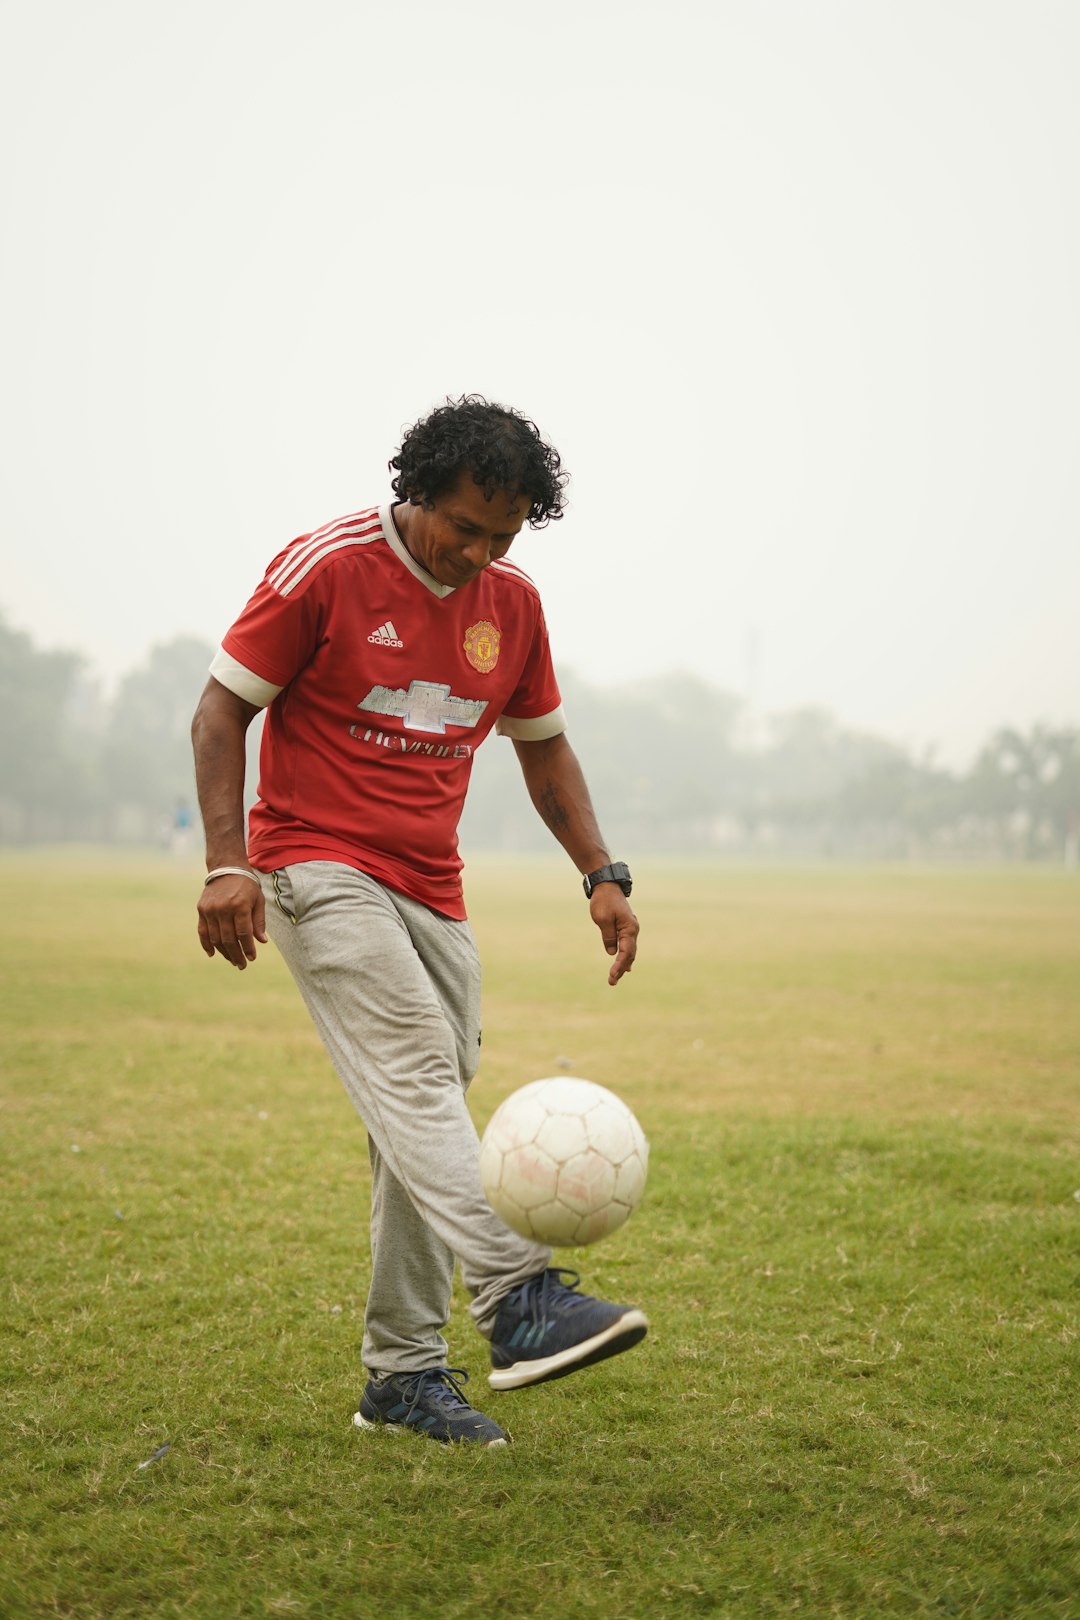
(563, 1161)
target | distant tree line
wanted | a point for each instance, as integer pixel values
(674, 765)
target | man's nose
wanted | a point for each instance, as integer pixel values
(478, 553)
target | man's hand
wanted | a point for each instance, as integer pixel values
(618, 927)
(232, 916)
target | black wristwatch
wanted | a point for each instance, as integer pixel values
(618, 873)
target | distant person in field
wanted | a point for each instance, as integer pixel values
(386, 645)
(182, 829)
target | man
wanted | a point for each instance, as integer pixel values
(386, 646)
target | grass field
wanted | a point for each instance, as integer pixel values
(859, 1250)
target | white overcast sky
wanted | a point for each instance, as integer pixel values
(793, 286)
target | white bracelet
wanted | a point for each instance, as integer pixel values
(232, 871)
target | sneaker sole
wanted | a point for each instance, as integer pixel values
(361, 1422)
(621, 1335)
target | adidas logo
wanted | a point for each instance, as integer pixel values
(386, 636)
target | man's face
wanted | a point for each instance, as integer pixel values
(463, 532)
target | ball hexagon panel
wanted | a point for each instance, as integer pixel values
(528, 1176)
(586, 1182)
(629, 1182)
(512, 1127)
(601, 1224)
(554, 1223)
(611, 1132)
(563, 1136)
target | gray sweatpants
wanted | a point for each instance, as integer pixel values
(394, 991)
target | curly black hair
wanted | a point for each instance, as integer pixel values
(500, 447)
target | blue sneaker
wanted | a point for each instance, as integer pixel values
(430, 1402)
(546, 1329)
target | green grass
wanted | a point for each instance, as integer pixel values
(859, 1252)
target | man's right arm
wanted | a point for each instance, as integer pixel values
(232, 913)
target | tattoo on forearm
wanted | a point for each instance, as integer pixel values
(552, 808)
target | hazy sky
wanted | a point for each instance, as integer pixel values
(793, 286)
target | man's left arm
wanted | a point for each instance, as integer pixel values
(557, 788)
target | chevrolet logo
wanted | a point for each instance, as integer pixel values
(426, 706)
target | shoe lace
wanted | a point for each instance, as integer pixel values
(442, 1384)
(550, 1294)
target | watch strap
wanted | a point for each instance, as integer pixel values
(617, 872)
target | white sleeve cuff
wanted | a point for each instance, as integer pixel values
(244, 682)
(545, 725)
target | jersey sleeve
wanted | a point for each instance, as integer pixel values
(544, 725)
(244, 682)
(534, 710)
(275, 636)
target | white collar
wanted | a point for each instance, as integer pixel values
(402, 552)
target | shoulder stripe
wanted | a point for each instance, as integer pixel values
(317, 557)
(303, 554)
(368, 514)
(353, 524)
(503, 566)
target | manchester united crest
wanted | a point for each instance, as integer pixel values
(482, 646)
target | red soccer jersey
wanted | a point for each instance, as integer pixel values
(381, 684)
